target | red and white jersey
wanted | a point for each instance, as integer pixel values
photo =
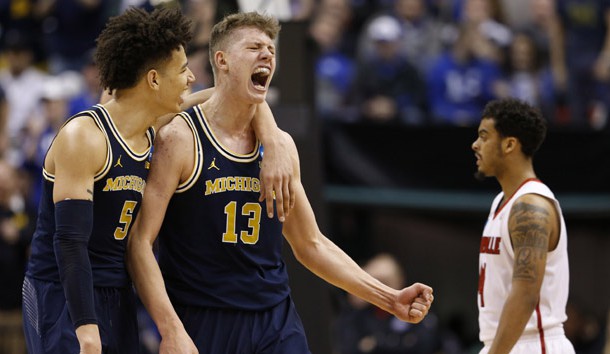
(496, 259)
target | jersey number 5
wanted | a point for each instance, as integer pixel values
(125, 219)
(253, 212)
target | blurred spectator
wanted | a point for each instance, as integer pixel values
(334, 69)
(586, 25)
(528, 75)
(20, 16)
(362, 10)
(70, 28)
(90, 91)
(150, 5)
(204, 15)
(362, 328)
(346, 12)
(421, 38)
(422, 34)
(388, 87)
(486, 16)
(54, 107)
(54, 112)
(15, 230)
(3, 119)
(284, 10)
(545, 30)
(514, 14)
(22, 83)
(199, 63)
(462, 79)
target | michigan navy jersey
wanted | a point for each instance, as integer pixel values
(217, 247)
(117, 193)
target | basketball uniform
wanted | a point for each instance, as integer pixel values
(544, 330)
(220, 254)
(118, 189)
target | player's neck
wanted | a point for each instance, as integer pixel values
(231, 124)
(228, 114)
(131, 117)
(513, 178)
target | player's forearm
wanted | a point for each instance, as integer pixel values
(265, 127)
(325, 259)
(74, 224)
(191, 100)
(148, 281)
(196, 98)
(516, 312)
(332, 264)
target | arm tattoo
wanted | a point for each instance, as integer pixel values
(529, 230)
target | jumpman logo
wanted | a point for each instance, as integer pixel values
(213, 165)
(118, 162)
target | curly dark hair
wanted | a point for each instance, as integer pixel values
(136, 41)
(223, 29)
(518, 119)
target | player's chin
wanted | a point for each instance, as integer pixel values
(479, 175)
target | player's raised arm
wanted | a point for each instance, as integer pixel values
(325, 259)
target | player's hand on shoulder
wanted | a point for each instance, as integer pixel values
(278, 176)
(413, 303)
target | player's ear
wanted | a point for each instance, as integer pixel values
(152, 77)
(221, 60)
(510, 144)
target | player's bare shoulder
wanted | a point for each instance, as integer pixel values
(174, 151)
(175, 134)
(80, 142)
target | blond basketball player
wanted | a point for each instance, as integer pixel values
(523, 261)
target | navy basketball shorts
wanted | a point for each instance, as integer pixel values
(277, 330)
(48, 327)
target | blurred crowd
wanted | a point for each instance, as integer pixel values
(439, 61)
(407, 62)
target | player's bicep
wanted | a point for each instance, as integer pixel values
(530, 229)
(78, 152)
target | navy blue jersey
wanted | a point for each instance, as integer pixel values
(117, 194)
(217, 247)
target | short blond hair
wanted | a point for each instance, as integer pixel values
(230, 23)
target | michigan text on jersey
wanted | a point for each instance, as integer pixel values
(232, 183)
(121, 183)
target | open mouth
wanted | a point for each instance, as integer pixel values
(260, 77)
